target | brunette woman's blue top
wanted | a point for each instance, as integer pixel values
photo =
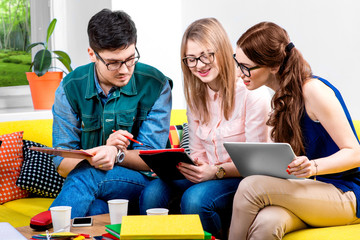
(318, 144)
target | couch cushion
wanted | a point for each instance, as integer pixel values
(38, 174)
(175, 135)
(349, 232)
(11, 158)
(19, 212)
(185, 138)
(15, 218)
(178, 116)
(38, 130)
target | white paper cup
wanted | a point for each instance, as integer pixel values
(157, 211)
(61, 218)
(117, 209)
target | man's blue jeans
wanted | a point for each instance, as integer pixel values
(212, 200)
(87, 189)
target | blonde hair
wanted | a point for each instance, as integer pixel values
(210, 33)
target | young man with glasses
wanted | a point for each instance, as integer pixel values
(98, 107)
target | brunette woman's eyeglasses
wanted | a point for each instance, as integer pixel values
(244, 69)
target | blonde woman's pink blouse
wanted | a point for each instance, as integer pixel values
(247, 124)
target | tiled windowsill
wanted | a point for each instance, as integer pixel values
(25, 115)
(16, 104)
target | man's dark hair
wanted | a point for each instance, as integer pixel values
(108, 30)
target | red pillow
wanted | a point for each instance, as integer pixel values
(11, 158)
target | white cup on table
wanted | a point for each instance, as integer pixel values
(61, 218)
(117, 209)
(157, 211)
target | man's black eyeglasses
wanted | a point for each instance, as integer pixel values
(205, 58)
(244, 69)
(116, 65)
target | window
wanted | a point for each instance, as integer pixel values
(15, 32)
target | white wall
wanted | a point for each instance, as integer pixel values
(70, 33)
(327, 32)
(159, 26)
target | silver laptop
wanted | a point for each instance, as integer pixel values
(253, 158)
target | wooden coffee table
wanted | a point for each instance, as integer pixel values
(97, 229)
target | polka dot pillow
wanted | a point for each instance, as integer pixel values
(11, 159)
(38, 174)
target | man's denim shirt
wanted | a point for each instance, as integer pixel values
(153, 133)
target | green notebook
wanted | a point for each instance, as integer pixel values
(114, 229)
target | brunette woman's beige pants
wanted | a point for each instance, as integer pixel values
(267, 207)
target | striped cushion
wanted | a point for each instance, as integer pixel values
(175, 135)
(185, 139)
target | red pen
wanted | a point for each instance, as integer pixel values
(85, 235)
(131, 139)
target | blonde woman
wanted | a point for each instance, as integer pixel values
(220, 109)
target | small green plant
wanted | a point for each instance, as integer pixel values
(43, 58)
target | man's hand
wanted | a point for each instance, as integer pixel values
(104, 157)
(119, 140)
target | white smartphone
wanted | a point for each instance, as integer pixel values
(82, 222)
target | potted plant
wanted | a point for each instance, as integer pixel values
(43, 83)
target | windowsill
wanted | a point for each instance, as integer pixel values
(24, 114)
(16, 105)
(15, 99)
(16, 110)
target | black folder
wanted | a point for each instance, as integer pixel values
(164, 161)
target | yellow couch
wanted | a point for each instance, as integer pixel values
(19, 212)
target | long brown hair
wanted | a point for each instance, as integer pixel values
(266, 45)
(210, 33)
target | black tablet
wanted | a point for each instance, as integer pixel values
(164, 161)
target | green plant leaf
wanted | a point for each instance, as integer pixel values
(29, 47)
(65, 59)
(42, 62)
(43, 58)
(63, 55)
(50, 30)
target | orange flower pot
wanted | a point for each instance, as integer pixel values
(43, 88)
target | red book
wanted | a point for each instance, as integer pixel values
(162, 150)
(108, 236)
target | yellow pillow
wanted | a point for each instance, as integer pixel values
(35, 130)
